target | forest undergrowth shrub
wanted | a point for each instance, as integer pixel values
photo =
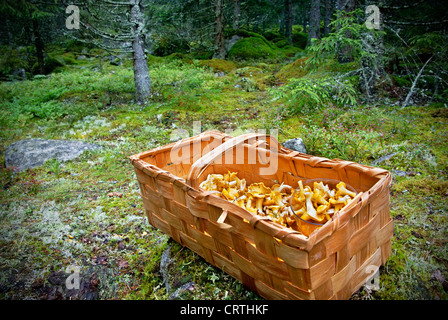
(51, 97)
(305, 95)
(340, 142)
(178, 77)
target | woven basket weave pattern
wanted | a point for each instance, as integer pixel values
(275, 262)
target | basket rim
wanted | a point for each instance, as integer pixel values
(148, 153)
(287, 235)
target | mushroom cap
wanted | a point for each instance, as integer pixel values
(259, 188)
(342, 190)
(273, 198)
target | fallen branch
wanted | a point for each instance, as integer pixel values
(411, 92)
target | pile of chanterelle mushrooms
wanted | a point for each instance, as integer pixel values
(317, 204)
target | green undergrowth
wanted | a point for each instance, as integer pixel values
(92, 209)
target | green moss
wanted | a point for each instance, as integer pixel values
(177, 56)
(251, 48)
(69, 58)
(202, 55)
(296, 69)
(282, 43)
(219, 65)
(332, 65)
(243, 33)
(154, 59)
(423, 186)
(248, 71)
(300, 39)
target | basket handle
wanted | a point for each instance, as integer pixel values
(202, 163)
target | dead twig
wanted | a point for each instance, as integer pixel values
(411, 92)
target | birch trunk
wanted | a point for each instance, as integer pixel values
(141, 71)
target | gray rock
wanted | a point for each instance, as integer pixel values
(31, 153)
(296, 145)
(19, 74)
(383, 158)
(400, 173)
(165, 261)
(171, 277)
(189, 286)
(81, 57)
(115, 61)
(229, 43)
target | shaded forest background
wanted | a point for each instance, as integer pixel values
(412, 36)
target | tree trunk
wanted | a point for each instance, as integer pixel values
(305, 15)
(345, 5)
(327, 16)
(314, 21)
(141, 71)
(39, 44)
(220, 50)
(236, 14)
(288, 20)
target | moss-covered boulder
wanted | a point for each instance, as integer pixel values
(281, 43)
(228, 33)
(252, 48)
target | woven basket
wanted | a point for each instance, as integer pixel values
(273, 261)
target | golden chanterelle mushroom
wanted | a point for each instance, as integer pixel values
(315, 204)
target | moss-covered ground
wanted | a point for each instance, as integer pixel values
(88, 212)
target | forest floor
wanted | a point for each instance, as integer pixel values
(88, 213)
